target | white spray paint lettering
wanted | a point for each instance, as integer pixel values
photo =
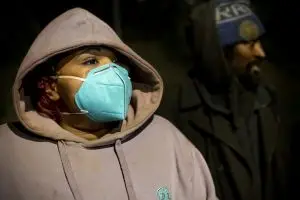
(231, 12)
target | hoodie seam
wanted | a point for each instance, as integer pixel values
(193, 173)
(68, 170)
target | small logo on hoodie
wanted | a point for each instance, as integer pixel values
(163, 194)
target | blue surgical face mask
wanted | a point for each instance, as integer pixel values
(105, 93)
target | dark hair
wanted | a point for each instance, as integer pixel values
(228, 52)
(35, 85)
(44, 105)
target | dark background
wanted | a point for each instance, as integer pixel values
(158, 25)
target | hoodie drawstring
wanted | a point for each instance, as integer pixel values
(68, 171)
(71, 179)
(125, 171)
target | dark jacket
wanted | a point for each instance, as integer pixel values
(237, 131)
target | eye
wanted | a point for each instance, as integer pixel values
(253, 43)
(90, 61)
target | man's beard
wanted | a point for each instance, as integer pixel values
(251, 78)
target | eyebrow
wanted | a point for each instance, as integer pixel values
(94, 52)
(83, 56)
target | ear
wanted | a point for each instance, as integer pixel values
(51, 91)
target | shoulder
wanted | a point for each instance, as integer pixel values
(189, 97)
(15, 137)
(267, 95)
(171, 135)
(164, 125)
(6, 133)
(174, 141)
(188, 159)
(162, 122)
(14, 131)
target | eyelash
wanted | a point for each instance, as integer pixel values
(88, 61)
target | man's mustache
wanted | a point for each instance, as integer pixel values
(254, 67)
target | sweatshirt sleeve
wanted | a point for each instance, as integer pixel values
(202, 183)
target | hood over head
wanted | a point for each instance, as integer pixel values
(71, 30)
(217, 24)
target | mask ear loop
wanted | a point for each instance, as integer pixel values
(82, 112)
(56, 77)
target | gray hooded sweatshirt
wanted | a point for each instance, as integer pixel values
(147, 159)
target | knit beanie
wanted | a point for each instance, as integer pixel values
(236, 22)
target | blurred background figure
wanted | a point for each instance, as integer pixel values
(227, 110)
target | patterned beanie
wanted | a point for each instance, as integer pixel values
(236, 22)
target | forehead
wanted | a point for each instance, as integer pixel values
(95, 51)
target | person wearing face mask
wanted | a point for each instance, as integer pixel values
(227, 109)
(87, 129)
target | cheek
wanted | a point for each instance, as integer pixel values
(104, 60)
(247, 56)
(242, 58)
(67, 89)
(244, 54)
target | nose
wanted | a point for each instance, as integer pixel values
(105, 60)
(258, 50)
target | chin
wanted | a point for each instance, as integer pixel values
(251, 78)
